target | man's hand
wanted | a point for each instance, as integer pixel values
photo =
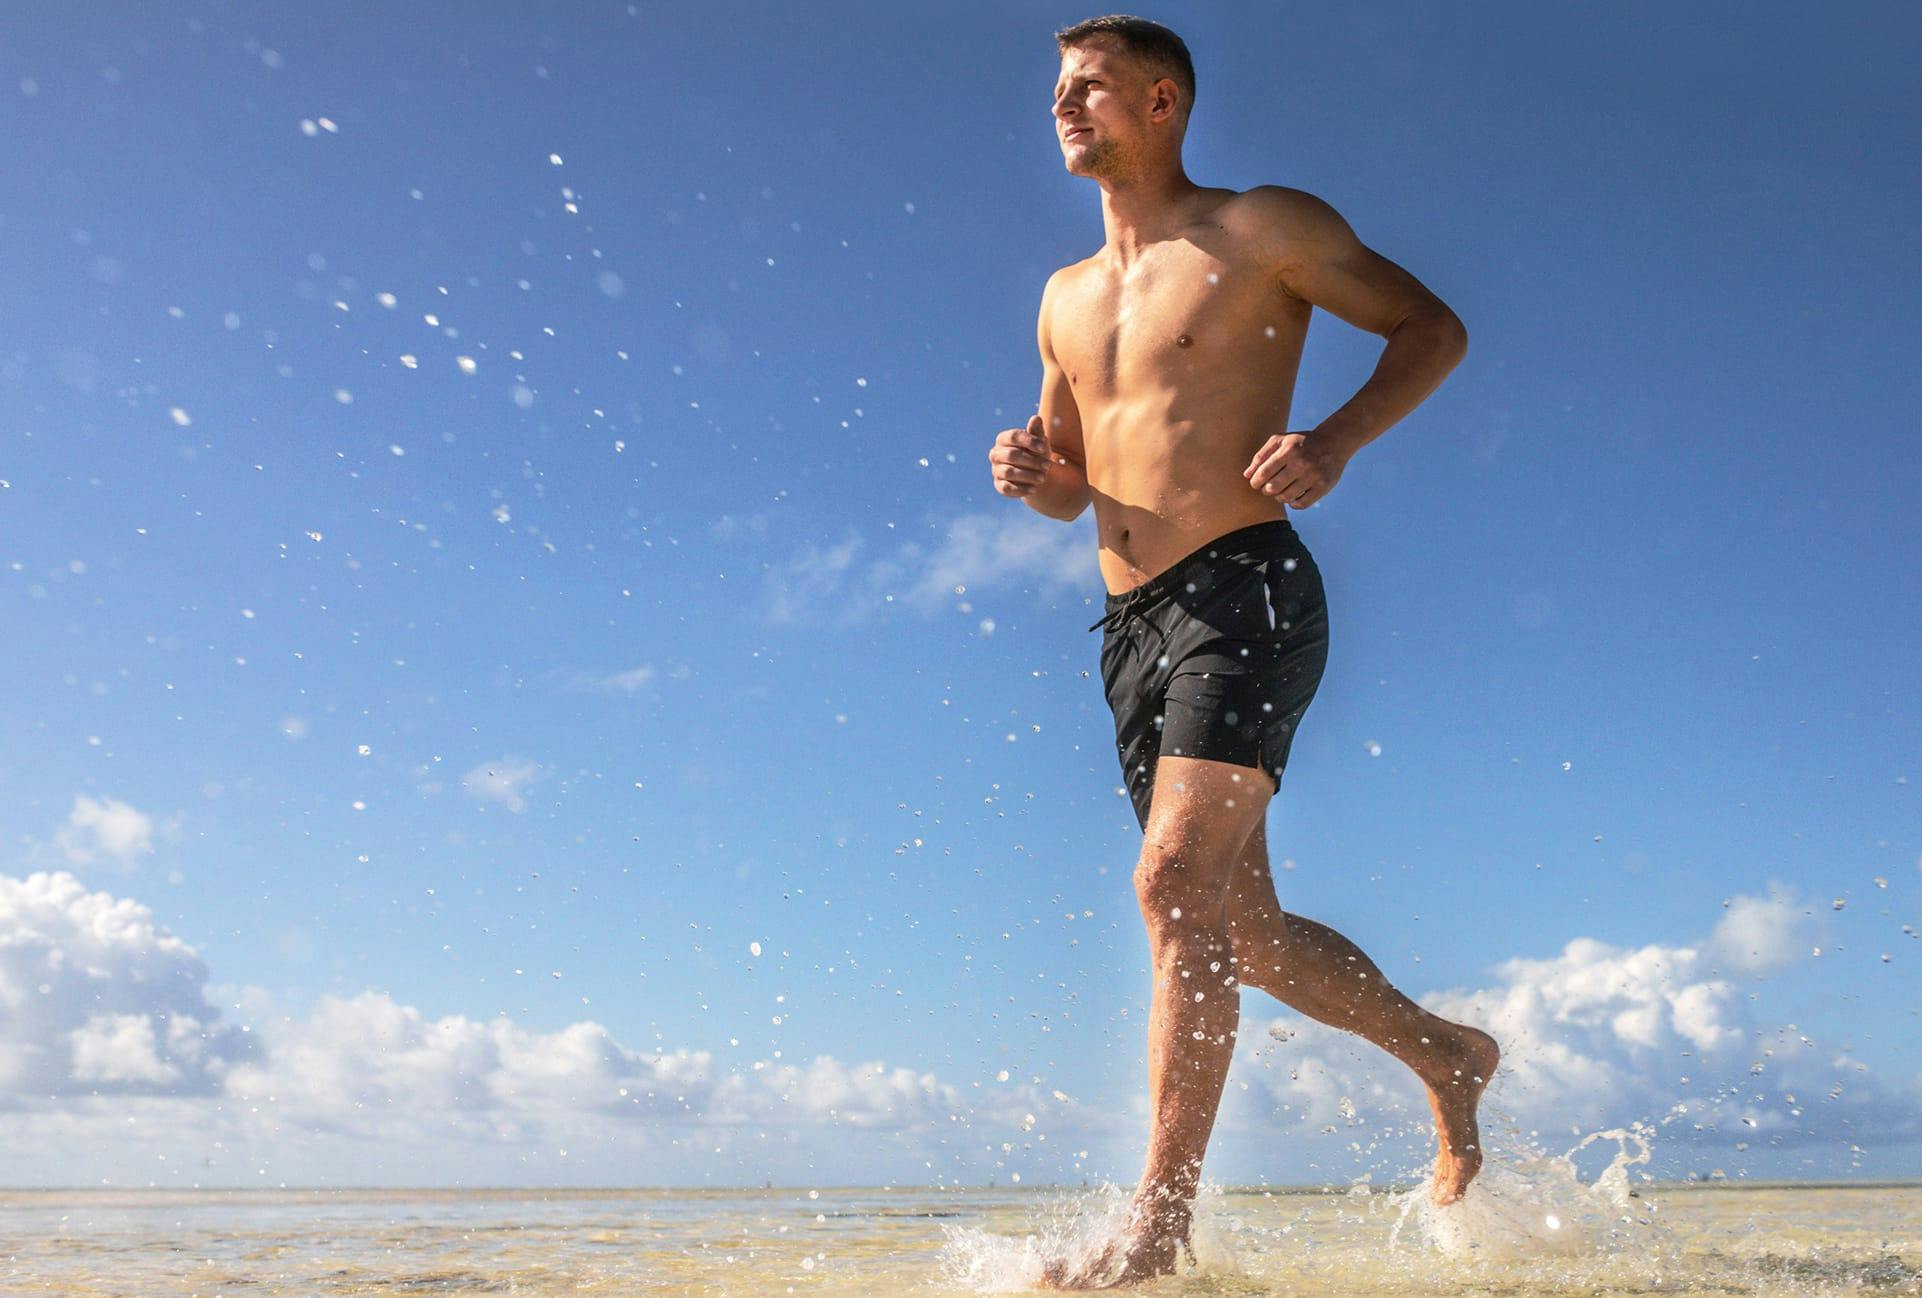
(1019, 459)
(1297, 468)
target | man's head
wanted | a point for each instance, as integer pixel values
(1127, 86)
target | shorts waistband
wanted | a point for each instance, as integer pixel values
(1267, 532)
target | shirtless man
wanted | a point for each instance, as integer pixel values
(1168, 364)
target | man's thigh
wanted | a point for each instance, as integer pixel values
(1200, 816)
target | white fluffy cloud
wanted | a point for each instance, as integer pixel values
(373, 1065)
(1758, 935)
(95, 998)
(105, 831)
(105, 1019)
(980, 553)
(868, 1095)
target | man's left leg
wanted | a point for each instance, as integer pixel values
(1198, 821)
(1313, 969)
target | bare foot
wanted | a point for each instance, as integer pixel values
(1070, 1273)
(1461, 1069)
(1148, 1249)
(1142, 1257)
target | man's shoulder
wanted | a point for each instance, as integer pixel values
(1065, 276)
(1280, 209)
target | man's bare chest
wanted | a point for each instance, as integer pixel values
(1173, 316)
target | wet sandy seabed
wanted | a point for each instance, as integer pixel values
(1674, 1239)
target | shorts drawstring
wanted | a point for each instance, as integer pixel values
(1115, 616)
(1118, 617)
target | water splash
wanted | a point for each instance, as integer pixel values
(1525, 1207)
(1529, 1204)
(1069, 1226)
(1074, 1227)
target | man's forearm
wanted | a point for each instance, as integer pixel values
(1063, 496)
(1419, 354)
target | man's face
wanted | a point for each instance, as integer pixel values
(1091, 110)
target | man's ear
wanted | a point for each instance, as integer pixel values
(1172, 95)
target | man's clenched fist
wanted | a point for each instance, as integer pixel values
(1019, 459)
(1295, 468)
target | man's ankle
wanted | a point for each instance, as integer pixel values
(1164, 1211)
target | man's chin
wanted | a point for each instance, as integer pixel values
(1086, 160)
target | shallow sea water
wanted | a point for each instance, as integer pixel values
(1663, 1239)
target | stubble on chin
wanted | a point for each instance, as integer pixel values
(1094, 160)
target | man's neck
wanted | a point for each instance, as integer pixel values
(1145, 209)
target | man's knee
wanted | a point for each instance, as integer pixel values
(1181, 893)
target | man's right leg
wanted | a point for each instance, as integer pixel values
(1201, 814)
(1313, 969)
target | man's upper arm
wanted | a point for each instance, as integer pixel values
(1059, 414)
(1316, 257)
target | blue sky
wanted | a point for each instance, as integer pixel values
(529, 641)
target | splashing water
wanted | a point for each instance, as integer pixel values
(1526, 1207)
(1527, 1204)
(1074, 1227)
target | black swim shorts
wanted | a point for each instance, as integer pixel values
(1217, 657)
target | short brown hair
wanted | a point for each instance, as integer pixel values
(1159, 50)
